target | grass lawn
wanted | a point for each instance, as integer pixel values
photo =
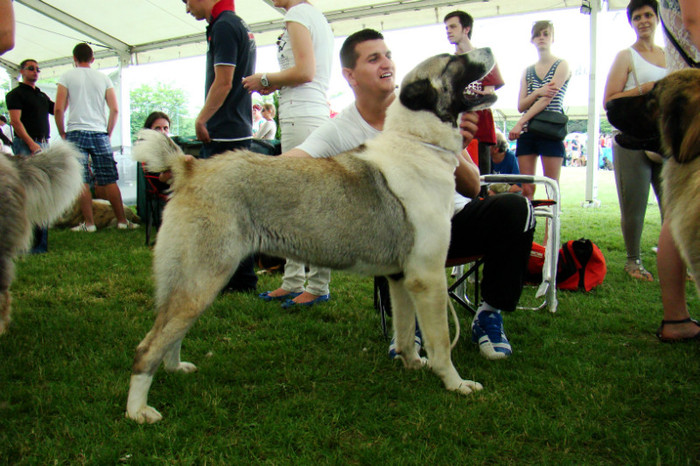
(587, 385)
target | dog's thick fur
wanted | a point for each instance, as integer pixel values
(675, 101)
(33, 191)
(381, 209)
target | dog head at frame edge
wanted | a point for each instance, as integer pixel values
(439, 84)
(674, 102)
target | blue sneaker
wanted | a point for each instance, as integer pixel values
(417, 342)
(487, 332)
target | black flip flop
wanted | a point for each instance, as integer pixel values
(696, 337)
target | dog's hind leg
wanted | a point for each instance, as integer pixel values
(404, 323)
(429, 292)
(178, 310)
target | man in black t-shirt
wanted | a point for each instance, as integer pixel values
(29, 111)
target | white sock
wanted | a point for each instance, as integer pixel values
(484, 306)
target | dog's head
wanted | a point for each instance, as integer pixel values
(440, 84)
(674, 102)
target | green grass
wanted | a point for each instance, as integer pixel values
(587, 385)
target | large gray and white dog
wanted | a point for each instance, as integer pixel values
(381, 209)
(33, 191)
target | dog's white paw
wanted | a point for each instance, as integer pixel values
(467, 387)
(184, 367)
(145, 415)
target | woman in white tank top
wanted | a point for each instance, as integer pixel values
(634, 72)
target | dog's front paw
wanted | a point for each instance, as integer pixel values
(146, 414)
(466, 387)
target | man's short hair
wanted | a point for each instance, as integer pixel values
(23, 63)
(465, 19)
(83, 53)
(348, 55)
(637, 4)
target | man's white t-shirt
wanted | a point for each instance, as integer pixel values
(86, 99)
(345, 132)
(307, 99)
(342, 133)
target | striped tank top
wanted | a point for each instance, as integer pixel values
(534, 82)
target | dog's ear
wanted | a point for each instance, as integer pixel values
(673, 128)
(690, 146)
(419, 95)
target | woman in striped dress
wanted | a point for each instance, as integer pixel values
(542, 87)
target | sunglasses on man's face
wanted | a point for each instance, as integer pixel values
(33, 68)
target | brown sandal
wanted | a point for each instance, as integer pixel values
(662, 339)
(637, 271)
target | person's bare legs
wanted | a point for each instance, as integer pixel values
(527, 165)
(85, 200)
(551, 167)
(672, 279)
(114, 196)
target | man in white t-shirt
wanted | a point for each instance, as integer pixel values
(499, 227)
(89, 128)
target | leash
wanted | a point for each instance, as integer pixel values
(456, 320)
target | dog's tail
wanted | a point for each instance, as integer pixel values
(52, 180)
(158, 153)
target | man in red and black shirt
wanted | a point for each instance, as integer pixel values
(459, 25)
(225, 121)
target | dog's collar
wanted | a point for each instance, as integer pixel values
(433, 146)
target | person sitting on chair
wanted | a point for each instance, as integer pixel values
(503, 162)
(159, 121)
(268, 128)
(499, 228)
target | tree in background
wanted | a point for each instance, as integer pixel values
(146, 99)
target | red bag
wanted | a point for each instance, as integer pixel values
(535, 264)
(581, 266)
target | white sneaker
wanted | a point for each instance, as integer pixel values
(85, 228)
(127, 226)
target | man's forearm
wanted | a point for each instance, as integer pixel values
(215, 99)
(60, 126)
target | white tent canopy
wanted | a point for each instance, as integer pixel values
(132, 32)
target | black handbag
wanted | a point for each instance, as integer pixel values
(549, 125)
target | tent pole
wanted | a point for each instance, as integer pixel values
(594, 108)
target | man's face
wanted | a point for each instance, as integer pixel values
(196, 8)
(374, 69)
(455, 31)
(30, 72)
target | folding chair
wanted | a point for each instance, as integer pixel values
(548, 209)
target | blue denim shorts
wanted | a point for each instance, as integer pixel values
(97, 146)
(529, 144)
